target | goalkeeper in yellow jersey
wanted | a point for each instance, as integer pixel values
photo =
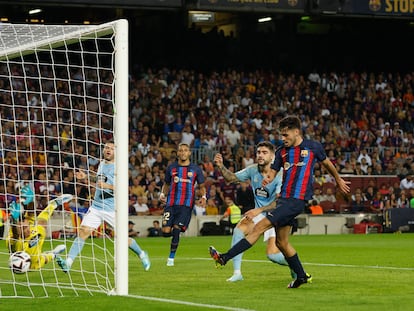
(28, 231)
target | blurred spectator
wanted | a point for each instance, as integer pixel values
(232, 213)
(329, 195)
(358, 191)
(131, 231)
(357, 204)
(317, 195)
(211, 207)
(244, 197)
(347, 169)
(247, 158)
(377, 205)
(407, 183)
(315, 208)
(155, 208)
(318, 177)
(155, 230)
(402, 200)
(141, 206)
(199, 209)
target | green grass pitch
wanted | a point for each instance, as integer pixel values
(350, 272)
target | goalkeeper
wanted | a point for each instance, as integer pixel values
(28, 231)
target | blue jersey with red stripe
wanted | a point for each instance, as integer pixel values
(183, 181)
(298, 164)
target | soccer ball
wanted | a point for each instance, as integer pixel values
(19, 262)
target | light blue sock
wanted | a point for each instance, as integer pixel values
(135, 247)
(75, 249)
(278, 258)
(237, 260)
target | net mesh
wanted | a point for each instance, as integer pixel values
(56, 110)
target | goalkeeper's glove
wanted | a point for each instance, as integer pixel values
(16, 210)
(27, 195)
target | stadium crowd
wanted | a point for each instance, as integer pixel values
(363, 119)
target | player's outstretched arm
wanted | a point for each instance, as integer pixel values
(227, 174)
(340, 182)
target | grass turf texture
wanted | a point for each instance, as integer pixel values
(350, 272)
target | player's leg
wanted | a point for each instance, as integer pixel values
(242, 245)
(244, 225)
(167, 224)
(181, 220)
(273, 253)
(143, 255)
(282, 242)
(284, 215)
(91, 221)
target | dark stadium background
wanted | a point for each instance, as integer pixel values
(161, 34)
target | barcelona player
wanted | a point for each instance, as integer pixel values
(263, 196)
(178, 194)
(297, 157)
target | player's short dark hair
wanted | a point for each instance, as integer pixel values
(266, 144)
(290, 122)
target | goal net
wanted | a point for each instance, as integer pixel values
(63, 94)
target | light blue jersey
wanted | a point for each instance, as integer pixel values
(262, 195)
(104, 198)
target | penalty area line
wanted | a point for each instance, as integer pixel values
(187, 303)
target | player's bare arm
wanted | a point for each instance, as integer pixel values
(342, 184)
(227, 174)
(163, 195)
(256, 211)
(203, 192)
(83, 176)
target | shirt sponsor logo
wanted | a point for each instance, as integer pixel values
(262, 192)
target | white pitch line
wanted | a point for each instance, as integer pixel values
(180, 302)
(340, 265)
(331, 265)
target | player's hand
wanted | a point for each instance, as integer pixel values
(163, 198)
(218, 160)
(27, 195)
(252, 213)
(343, 185)
(15, 209)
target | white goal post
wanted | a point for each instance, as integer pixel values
(63, 93)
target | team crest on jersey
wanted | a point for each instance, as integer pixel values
(190, 174)
(304, 153)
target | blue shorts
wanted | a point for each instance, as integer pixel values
(285, 212)
(178, 215)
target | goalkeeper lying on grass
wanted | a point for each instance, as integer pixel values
(28, 231)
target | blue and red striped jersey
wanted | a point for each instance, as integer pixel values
(298, 164)
(183, 181)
